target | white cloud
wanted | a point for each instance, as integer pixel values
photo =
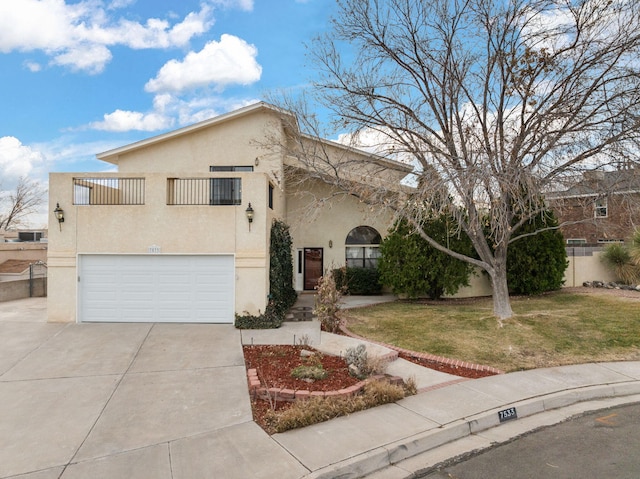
(78, 34)
(121, 120)
(246, 5)
(168, 110)
(90, 58)
(33, 66)
(218, 64)
(115, 4)
(16, 159)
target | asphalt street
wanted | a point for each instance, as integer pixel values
(604, 444)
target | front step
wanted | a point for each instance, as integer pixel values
(300, 313)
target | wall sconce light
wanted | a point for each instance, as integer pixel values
(257, 162)
(249, 213)
(330, 244)
(59, 213)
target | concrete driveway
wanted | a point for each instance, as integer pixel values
(126, 400)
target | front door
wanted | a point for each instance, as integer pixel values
(312, 267)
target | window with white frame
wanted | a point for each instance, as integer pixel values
(601, 208)
(363, 247)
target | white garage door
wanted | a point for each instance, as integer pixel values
(156, 288)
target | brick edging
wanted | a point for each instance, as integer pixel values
(257, 391)
(456, 363)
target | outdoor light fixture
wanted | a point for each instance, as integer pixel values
(249, 212)
(330, 244)
(59, 212)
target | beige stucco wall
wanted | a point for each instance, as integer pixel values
(242, 140)
(236, 142)
(314, 225)
(174, 229)
(585, 264)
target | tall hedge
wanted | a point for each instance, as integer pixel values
(536, 263)
(411, 266)
(282, 295)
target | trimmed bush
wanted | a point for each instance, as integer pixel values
(358, 281)
(411, 266)
(536, 263)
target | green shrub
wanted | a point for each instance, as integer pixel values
(536, 263)
(358, 281)
(411, 266)
(619, 258)
(272, 318)
(282, 293)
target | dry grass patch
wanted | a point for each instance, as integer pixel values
(555, 329)
(316, 410)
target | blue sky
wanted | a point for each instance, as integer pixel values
(79, 77)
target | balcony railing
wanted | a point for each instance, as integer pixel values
(108, 191)
(204, 191)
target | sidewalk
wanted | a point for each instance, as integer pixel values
(170, 401)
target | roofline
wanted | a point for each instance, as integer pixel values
(592, 195)
(397, 165)
(107, 155)
(104, 156)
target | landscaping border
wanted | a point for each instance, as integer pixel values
(454, 363)
(257, 391)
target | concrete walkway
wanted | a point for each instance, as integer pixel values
(170, 401)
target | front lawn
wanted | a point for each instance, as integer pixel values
(550, 330)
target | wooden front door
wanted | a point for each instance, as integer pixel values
(312, 267)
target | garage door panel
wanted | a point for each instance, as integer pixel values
(156, 288)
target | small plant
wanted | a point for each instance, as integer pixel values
(304, 340)
(314, 373)
(327, 303)
(356, 359)
(619, 258)
(311, 369)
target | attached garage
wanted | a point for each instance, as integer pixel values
(156, 288)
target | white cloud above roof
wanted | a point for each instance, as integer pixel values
(121, 120)
(16, 159)
(79, 35)
(218, 64)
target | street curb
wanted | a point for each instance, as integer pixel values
(392, 454)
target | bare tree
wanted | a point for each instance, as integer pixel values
(15, 206)
(495, 102)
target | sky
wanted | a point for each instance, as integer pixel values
(79, 77)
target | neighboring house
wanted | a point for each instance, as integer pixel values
(169, 236)
(602, 207)
(14, 269)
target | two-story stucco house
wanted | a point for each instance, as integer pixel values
(181, 232)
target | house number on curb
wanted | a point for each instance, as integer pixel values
(507, 414)
(153, 249)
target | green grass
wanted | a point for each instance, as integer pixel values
(549, 330)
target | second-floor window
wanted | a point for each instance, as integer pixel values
(601, 208)
(225, 191)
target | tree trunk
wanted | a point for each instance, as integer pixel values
(501, 302)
